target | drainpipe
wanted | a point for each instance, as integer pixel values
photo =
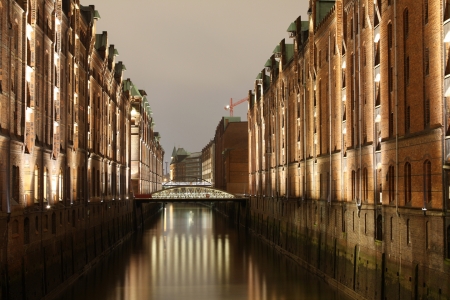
(359, 108)
(396, 107)
(329, 115)
(286, 174)
(8, 164)
(277, 188)
(304, 132)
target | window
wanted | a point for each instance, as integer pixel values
(408, 232)
(365, 184)
(405, 23)
(15, 183)
(45, 184)
(379, 232)
(427, 61)
(392, 228)
(36, 184)
(425, 11)
(363, 17)
(427, 181)
(60, 185)
(390, 35)
(391, 183)
(407, 182)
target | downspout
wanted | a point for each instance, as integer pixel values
(396, 107)
(359, 108)
(304, 132)
(353, 70)
(8, 167)
(286, 176)
(277, 188)
(396, 134)
(330, 114)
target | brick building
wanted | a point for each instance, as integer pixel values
(208, 162)
(351, 119)
(231, 155)
(65, 142)
(146, 152)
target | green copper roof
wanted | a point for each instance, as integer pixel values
(126, 85)
(96, 15)
(268, 63)
(259, 76)
(135, 91)
(101, 40)
(292, 27)
(116, 52)
(305, 25)
(277, 49)
(289, 51)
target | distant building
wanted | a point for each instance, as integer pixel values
(231, 155)
(146, 152)
(185, 165)
(208, 162)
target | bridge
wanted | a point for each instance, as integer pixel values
(189, 193)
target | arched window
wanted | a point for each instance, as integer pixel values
(45, 184)
(407, 178)
(391, 182)
(405, 23)
(426, 181)
(60, 185)
(365, 184)
(36, 184)
(379, 233)
(408, 232)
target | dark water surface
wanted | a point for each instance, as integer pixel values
(190, 252)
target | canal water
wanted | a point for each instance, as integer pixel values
(190, 252)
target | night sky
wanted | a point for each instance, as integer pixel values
(192, 56)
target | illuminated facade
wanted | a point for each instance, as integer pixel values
(208, 162)
(352, 120)
(146, 152)
(65, 139)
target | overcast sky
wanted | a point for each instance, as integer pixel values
(192, 56)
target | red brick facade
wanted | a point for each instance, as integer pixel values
(355, 123)
(65, 144)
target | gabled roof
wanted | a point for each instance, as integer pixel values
(101, 41)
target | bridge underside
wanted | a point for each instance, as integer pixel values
(189, 194)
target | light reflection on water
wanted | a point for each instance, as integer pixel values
(192, 253)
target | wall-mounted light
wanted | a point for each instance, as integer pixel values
(377, 37)
(377, 77)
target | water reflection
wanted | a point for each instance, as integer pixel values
(192, 253)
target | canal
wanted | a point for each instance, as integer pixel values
(191, 252)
